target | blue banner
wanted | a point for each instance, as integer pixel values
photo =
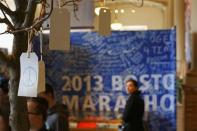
(91, 77)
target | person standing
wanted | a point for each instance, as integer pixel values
(57, 114)
(134, 109)
(37, 113)
(4, 98)
(4, 122)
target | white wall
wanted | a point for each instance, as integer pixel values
(151, 14)
(152, 17)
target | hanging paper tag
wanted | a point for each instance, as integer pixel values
(29, 75)
(104, 27)
(60, 30)
(41, 76)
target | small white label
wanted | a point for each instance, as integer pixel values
(28, 75)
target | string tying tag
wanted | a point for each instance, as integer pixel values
(59, 4)
(41, 43)
(29, 47)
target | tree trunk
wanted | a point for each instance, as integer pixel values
(23, 17)
(18, 105)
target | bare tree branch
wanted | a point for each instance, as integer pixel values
(5, 32)
(6, 3)
(75, 8)
(6, 10)
(35, 24)
(3, 57)
(73, 3)
(30, 12)
(2, 20)
(20, 6)
(10, 26)
(29, 25)
(6, 21)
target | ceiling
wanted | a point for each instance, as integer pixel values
(163, 2)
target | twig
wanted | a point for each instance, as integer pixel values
(6, 3)
(4, 20)
(70, 1)
(75, 8)
(6, 9)
(74, 4)
(30, 11)
(34, 24)
(7, 21)
(4, 32)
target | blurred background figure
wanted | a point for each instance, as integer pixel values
(37, 113)
(4, 122)
(4, 98)
(57, 114)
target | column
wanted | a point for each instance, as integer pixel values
(190, 86)
(179, 22)
(170, 13)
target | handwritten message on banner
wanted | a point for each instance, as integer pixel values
(91, 76)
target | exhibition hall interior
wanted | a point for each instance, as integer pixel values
(98, 65)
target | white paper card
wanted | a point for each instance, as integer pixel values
(104, 27)
(60, 30)
(41, 76)
(28, 75)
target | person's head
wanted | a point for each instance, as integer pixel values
(37, 112)
(131, 86)
(3, 91)
(4, 126)
(48, 94)
(4, 85)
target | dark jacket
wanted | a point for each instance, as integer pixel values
(57, 118)
(133, 113)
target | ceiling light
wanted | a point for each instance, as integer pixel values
(116, 25)
(122, 10)
(133, 11)
(116, 11)
(135, 27)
